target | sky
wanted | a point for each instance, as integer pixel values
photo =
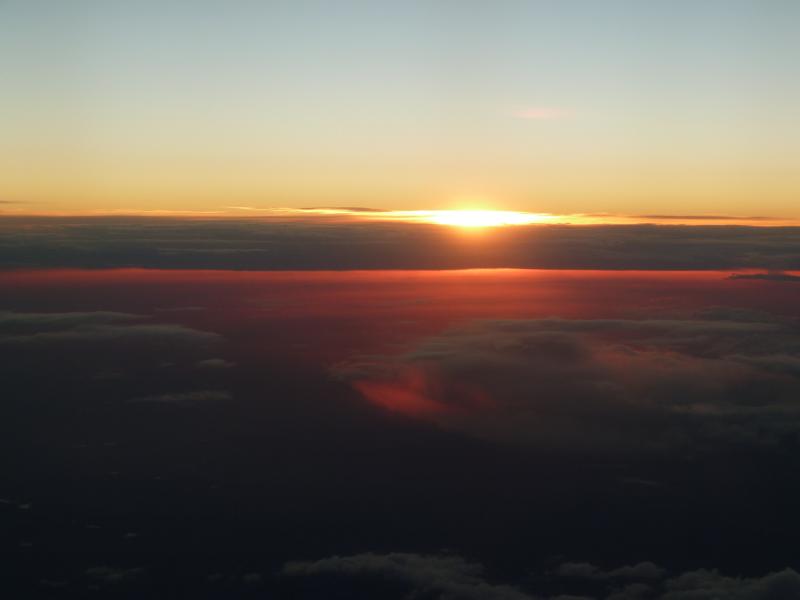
(565, 107)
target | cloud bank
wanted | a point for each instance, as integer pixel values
(320, 243)
(721, 379)
(451, 577)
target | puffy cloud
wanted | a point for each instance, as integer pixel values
(252, 578)
(97, 345)
(444, 577)
(643, 570)
(706, 584)
(27, 323)
(215, 363)
(113, 575)
(452, 577)
(23, 329)
(725, 377)
(102, 334)
(632, 591)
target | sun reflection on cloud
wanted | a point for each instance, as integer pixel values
(466, 218)
(475, 218)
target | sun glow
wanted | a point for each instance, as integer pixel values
(484, 218)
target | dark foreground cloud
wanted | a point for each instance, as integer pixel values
(428, 576)
(113, 575)
(153, 443)
(766, 276)
(706, 584)
(641, 571)
(37, 323)
(450, 577)
(77, 331)
(97, 331)
(319, 243)
(98, 344)
(186, 398)
(723, 378)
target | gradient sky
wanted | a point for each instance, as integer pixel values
(555, 106)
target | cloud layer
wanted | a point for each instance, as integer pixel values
(336, 244)
(451, 577)
(726, 377)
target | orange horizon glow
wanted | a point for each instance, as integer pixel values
(467, 218)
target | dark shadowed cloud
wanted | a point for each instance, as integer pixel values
(318, 243)
(186, 398)
(428, 576)
(34, 323)
(189, 437)
(766, 276)
(641, 571)
(113, 575)
(451, 577)
(100, 345)
(724, 377)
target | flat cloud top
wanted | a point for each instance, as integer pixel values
(317, 243)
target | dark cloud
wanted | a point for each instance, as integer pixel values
(643, 570)
(101, 334)
(29, 323)
(215, 363)
(34, 328)
(275, 449)
(632, 591)
(181, 309)
(113, 575)
(583, 570)
(436, 577)
(340, 244)
(706, 584)
(186, 398)
(102, 346)
(450, 577)
(766, 276)
(605, 384)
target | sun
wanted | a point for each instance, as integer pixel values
(483, 218)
